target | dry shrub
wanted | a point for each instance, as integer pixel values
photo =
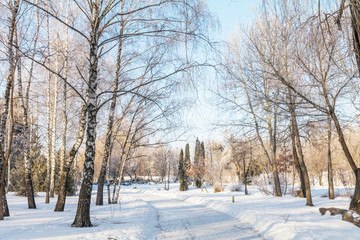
(218, 188)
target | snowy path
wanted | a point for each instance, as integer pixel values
(177, 219)
(150, 213)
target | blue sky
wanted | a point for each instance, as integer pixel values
(231, 14)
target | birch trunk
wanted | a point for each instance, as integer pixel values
(4, 210)
(66, 162)
(26, 132)
(126, 150)
(53, 131)
(116, 196)
(64, 115)
(107, 147)
(108, 177)
(82, 218)
(48, 135)
(8, 184)
(60, 204)
(64, 131)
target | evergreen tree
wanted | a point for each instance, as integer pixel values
(182, 172)
(202, 163)
(197, 165)
(187, 164)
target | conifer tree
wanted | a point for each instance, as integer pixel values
(182, 173)
(197, 155)
(187, 164)
(202, 163)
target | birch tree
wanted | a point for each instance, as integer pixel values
(24, 103)
(13, 7)
(107, 148)
(102, 17)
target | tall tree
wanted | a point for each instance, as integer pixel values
(202, 164)
(82, 218)
(48, 126)
(13, 7)
(182, 172)
(196, 166)
(110, 123)
(24, 103)
(69, 161)
(355, 25)
(296, 134)
(164, 31)
(330, 168)
(187, 163)
(64, 110)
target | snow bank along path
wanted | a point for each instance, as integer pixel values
(150, 212)
(140, 215)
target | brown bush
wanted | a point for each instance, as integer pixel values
(218, 189)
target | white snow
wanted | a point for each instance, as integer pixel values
(150, 212)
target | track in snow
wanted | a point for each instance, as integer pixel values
(175, 219)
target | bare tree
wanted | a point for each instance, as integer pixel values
(107, 153)
(103, 17)
(24, 102)
(13, 7)
(261, 97)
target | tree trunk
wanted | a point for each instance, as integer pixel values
(245, 179)
(53, 131)
(82, 218)
(64, 130)
(355, 24)
(271, 159)
(60, 204)
(320, 178)
(273, 148)
(330, 171)
(169, 178)
(296, 161)
(301, 155)
(107, 148)
(356, 197)
(67, 161)
(26, 148)
(4, 210)
(108, 188)
(354, 204)
(48, 135)
(275, 173)
(108, 177)
(114, 192)
(8, 179)
(121, 170)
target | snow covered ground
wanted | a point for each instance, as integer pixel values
(150, 212)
